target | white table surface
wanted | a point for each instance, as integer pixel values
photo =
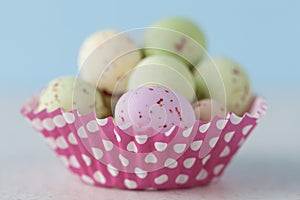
(267, 167)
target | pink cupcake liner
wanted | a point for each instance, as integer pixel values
(102, 154)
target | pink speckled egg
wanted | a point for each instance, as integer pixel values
(154, 107)
(207, 109)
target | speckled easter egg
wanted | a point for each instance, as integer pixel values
(70, 93)
(154, 107)
(230, 77)
(207, 109)
(176, 36)
(105, 57)
(166, 71)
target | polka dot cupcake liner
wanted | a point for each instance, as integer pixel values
(102, 154)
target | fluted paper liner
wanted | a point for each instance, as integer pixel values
(102, 154)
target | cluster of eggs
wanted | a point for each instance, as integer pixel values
(168, 81)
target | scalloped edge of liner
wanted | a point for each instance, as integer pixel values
(108, 119)
(29, 110)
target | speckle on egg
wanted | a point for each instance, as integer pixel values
(160, 110)
(207, 109)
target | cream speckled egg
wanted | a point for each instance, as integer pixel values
(70, 93)
(105, 57)
(207, 109)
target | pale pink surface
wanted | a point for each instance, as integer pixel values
(104, 155)
(154, 107)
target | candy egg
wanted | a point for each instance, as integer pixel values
(207, 109)
(154, 107)
(176, 36)
(71, 93)
(165, 71)
(234, 81)
(105, 57)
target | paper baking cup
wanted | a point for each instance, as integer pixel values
(102, 154)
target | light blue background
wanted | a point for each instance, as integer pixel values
(39, 40)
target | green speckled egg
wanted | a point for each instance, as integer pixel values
(176, 36)
(234, 79)
(71, 93)
(166, 71)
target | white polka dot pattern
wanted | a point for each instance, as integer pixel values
(92, 126)
(213, 142)
(69, 117)
(87, 179)
(130, 184)
(246, 129)
(221, 124)
(72, 138)
(202, 175)
(59, 121)
(187, 132)
(98, 153)
(108, 145)
(150, 158)
(37, 124)
(141, 139)
(171, 163)
(218, 169)
(132, 147)
(160, 146)
(48, 124)
(204, 160)
(102, 122)
(203, 128)
(169, 132)
(195, 146)
(112, 170)
(117, 136)
(74, 162)
(124, 161)
(61, 142)
(182, 179)
(189, 162)
(87, 160)
(81, 132)
(225, 152)
(228, 136)
(179, 148)
(140, 173)
(103, 154)
(235, 119)
(161, 179)
(99, 177)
